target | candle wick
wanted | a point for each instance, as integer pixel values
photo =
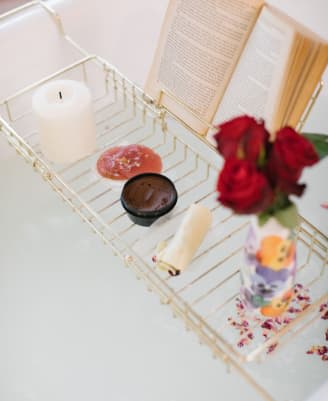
(60, 95)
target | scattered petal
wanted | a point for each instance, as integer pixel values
(271, 348)
(244, 322)
(267, 325)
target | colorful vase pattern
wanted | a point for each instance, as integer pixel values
(269, 268)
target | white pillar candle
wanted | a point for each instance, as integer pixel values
(65, 119)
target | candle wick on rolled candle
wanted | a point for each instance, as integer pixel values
(60, 95)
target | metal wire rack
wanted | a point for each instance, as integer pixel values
(204, 296)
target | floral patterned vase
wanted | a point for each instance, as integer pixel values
(269, 268)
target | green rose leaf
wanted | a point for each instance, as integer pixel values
(320, 143)
(263, 218)
(287, 217)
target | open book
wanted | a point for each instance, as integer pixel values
(223, 58)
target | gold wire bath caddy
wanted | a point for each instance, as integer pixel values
(204, 296)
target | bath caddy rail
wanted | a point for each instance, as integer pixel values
(205, 297)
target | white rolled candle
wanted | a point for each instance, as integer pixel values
(179, 253)
(66, 123)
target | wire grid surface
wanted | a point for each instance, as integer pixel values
(205, 295)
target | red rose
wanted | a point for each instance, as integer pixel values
(290, 153)
(242, 137)
(243, 188)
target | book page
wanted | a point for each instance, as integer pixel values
(308, 64)
(200, 43)
(257, 83)
(308, 83)
(303, 46)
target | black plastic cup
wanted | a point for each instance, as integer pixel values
(147, 217)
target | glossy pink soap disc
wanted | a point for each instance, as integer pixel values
(124, 162)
